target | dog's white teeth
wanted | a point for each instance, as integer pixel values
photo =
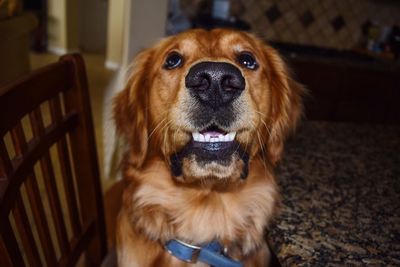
(202, 138)
(198, 137)
(231, 136)
(214, 139)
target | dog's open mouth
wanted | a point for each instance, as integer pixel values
(213, 134)
(211, 146)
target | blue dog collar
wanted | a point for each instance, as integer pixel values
(210, 253)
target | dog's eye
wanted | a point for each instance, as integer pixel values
(247, 60)
(173, 61)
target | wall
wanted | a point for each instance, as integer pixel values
(115, 29)
(72, 14)
(132, 26)
(327, 23)
(93, 25)
(62, 28)
(148, 24)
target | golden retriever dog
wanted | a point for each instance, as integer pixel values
(204, 115)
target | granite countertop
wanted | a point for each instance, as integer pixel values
(340, 185)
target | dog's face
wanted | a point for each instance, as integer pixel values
(208, 102)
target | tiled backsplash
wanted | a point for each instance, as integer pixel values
(326, 23)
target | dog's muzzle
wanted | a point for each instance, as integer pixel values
(216, 88)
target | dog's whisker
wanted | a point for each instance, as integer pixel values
(164, 129)
(263, 152)
(155, 129)
(263, 115)
(165, 139)
(174, 140)
(261, 144)
(247, 142)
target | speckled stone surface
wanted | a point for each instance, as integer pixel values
(340, 186)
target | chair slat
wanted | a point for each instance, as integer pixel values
(5, 168)
(79, 245)
(20, 147)
(18, 139)
(21, 219)
(10, 243)
(5, 162)
(25, 230)
(39, 215)
(50, 184)
(22, 166)
(4, 256)
(66, 170)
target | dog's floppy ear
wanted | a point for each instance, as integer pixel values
(131, 106)
(286, 105)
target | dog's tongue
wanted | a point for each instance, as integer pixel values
(212, 133)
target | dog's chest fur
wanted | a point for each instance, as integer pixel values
(161, 210)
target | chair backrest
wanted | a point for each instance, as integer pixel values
(51, 207)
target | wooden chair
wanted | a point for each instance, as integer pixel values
(51, 205)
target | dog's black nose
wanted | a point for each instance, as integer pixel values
(215, 84)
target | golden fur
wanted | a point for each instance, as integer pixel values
(208, 201)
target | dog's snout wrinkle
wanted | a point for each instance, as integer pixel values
(215, 84)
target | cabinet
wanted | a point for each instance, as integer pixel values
(341, 90)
